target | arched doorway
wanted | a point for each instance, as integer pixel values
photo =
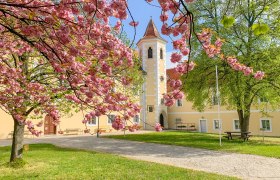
(161, 120)
(49, 127)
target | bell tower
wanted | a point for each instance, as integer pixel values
(152, 51)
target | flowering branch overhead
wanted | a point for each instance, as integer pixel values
(66, 49)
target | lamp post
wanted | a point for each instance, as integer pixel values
(218, 99)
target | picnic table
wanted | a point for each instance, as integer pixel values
(237, 133)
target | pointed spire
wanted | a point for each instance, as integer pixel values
(151, 30)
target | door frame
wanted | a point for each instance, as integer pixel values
(206, 123)
(161, 119)
(49, 123)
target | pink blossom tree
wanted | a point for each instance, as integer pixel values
(53, 51)
(64, 52)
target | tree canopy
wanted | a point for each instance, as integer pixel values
(250, 30)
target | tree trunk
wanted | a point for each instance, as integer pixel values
(244, 121)
(17, 146)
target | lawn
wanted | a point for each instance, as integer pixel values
(269, 148)
(45, 161)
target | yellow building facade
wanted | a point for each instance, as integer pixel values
(152, 51)
(181, 115)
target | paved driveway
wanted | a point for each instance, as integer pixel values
(239, 165)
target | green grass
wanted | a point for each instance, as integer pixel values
(45, 161)
(269, 148)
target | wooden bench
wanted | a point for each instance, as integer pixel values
(101, 130)
(128, 127)
(73, 131)
(186, 126)
(231, 134)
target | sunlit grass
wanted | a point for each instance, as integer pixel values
(270, 147)
(45, 161)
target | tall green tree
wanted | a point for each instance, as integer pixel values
(251, 30)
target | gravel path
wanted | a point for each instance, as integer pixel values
(231, 164)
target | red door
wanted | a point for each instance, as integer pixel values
(49, 127)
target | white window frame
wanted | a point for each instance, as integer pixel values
(178, 101)
(162, 101)
(109, 118)
(88, 124)
(233, 125)
(137, 118)
(220, 123)
(215, 100)
(270, 124)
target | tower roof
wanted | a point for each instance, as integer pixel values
(151, 32)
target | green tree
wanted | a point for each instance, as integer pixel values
(251, 30)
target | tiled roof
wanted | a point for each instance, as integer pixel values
(151, 32)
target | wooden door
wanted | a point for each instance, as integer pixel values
(49, 127)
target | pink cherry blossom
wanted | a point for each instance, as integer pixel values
(259, 75)
(164, 17)
(158, 127)
(175, 57)
(118, 123)
(133, 23)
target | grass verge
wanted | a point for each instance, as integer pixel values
(269, 148)
(45, 161)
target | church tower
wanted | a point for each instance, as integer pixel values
(152, 51)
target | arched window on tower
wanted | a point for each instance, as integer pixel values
(150, 53)
(161, 53)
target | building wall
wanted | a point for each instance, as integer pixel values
(153, 87)
(6, 124)
(66, 122)
(189, 115)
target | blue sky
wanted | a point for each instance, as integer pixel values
(142, 12)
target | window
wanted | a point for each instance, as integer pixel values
(263, 99)
(266, 125)
(161, 78)
(178, 121)
(161, 53)
(161, 101)
(179, 102)
(216, 124)
(136, 119)
(150, 108)
(236, 124)
(214, 100)
(92, 121)
(111, 118)
(150, 53)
